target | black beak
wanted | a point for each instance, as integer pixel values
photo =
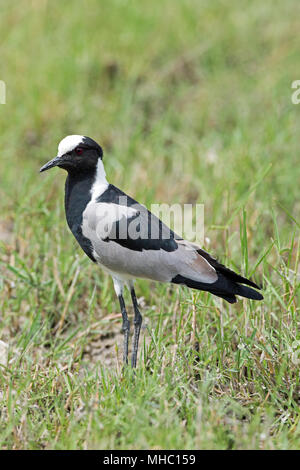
(54, 162)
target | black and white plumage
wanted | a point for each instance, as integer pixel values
(127, 241)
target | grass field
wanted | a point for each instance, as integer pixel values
(191, 102)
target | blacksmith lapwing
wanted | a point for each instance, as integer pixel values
(127, 241)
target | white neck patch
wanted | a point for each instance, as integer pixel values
(69, 143)
(100, 184)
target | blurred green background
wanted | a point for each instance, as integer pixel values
(191, 101)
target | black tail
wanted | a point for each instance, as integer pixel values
(220, 268)
(228, 284)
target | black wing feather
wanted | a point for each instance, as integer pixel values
(144, 239)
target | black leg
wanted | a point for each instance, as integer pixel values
(125, 328)
(137, 327)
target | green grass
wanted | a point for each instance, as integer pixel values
(191, 101)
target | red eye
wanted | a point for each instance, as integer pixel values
(79, 150)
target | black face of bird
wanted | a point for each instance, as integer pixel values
(82, 158)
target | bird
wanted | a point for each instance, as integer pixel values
(127, 241)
